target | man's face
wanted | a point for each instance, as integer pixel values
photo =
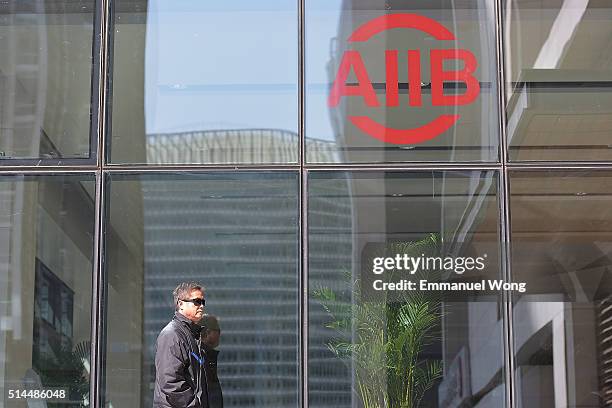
(189, 309)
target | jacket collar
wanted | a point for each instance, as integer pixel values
(194, 328)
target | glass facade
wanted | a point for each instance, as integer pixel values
(422, 213)
(238, 233)
(46, 81)
(560, 247)
(558, 73)
(321, 167)
(401, 87)
(204, 83)
(47, 264)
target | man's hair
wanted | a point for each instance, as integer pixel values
(184, 289)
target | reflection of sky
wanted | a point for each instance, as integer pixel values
(228, 65)
(322, 17)
(220, 65)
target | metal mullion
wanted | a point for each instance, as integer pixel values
(7, 163)
(39, 172)
(505, 230)
(103, 74)
(403, 168)
(97, 83)
(515, 166)
(304, 288)
(302, 80)
(196, 170)
(507, 312)
(303, 207)
(200, 168)
(559, 166)
(99, 111)
(302, 167)
(49, 169)
(98, 300)
(405, 165)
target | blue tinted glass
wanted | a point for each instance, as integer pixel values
(199, 82)
(401, 81)
(367, 346)
(237, 234)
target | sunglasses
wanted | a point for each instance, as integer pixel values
(196, 301)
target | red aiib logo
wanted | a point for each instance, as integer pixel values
(351, 60)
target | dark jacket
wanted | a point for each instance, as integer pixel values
(178, 366)
(213, 386)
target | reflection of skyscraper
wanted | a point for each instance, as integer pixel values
(238, 235)
(248, 262)
(330, 248)
(232, 146)
(53, 317)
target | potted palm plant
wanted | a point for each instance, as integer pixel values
(385, 340)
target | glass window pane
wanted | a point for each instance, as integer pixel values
(200, 82)
(236, 233)
(558, 68)
(45, 79)
(561, 247)
(401, 81)
(46, 248)
(367, 347)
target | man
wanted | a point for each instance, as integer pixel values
(209, 338)
(178, 363)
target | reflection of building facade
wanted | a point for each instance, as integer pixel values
(46, 254)
(330, 263)
(237, 244)
(53, 318)
(231, 146)
(247, 262)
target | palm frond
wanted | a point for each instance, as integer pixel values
(383, 341)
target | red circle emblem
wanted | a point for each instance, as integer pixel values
(352, 61)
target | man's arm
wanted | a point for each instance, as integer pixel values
(171, 362)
